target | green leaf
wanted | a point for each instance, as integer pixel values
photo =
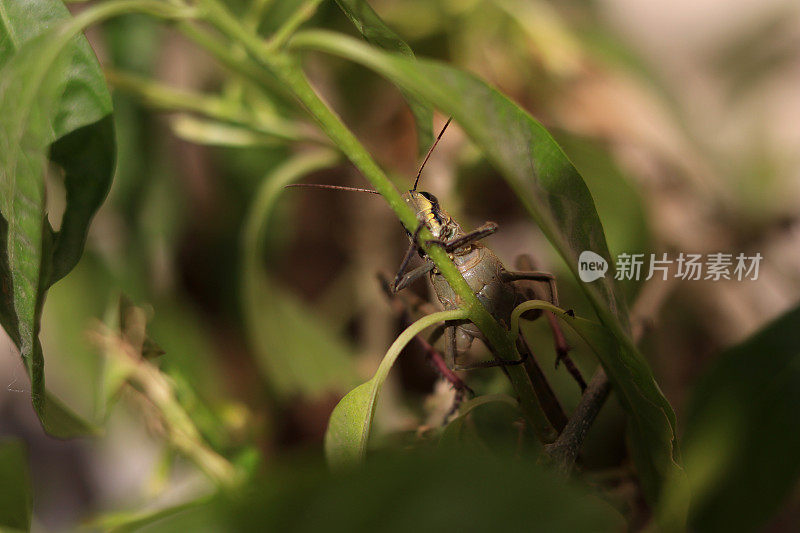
(298, 353)
(741, 439)
(53, 100)
(15, 487)
(376, 32)
(345, 438)
(351, 421)
(556, 197)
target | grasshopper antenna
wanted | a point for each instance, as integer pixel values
(334, 187)
(419, 172)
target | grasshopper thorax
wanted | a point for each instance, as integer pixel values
(429, 212)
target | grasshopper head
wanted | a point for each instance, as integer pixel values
(430, 213)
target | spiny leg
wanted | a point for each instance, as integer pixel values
(561, 346)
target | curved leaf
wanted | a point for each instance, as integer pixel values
(297, 352)
(351, 421)
(376, 32)
(52, 97)
(741, 443)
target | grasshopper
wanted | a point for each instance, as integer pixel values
(497, 288)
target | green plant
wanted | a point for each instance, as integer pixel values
(55, 109)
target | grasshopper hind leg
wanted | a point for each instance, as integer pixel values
(527, 272)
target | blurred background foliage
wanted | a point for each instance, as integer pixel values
(682, 118)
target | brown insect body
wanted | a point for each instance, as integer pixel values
(481, 268)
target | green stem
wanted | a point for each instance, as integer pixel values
(288, 71)
(255, 14)
(469, 405)
(216, 14)
(255, 222)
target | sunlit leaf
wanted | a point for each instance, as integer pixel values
(215, 133)
(138, 520)
(349, 426)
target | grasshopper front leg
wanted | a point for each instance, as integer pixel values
(482, 232)
(458, 341)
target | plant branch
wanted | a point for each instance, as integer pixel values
(564, 450)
